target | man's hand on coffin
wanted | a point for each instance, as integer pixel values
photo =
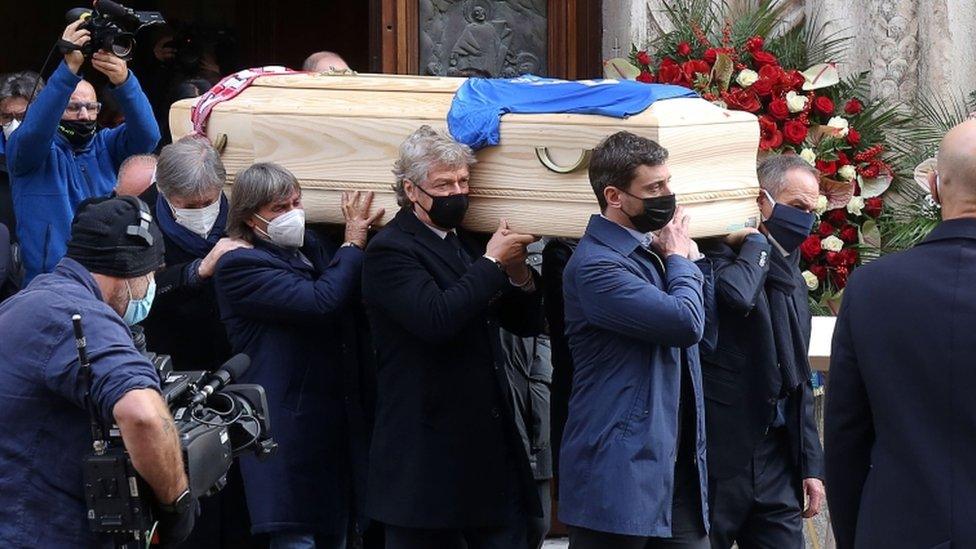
(509, 247)
(79, 37)
(355, 209)
(224, 245)
(738, 237)
(673, 238)
(112, 66)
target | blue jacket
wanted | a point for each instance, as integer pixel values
(44, 427)
(49, 179)
(626, 327)
(287, 316)
(900, 423)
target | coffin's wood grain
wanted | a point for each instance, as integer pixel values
(342, 133)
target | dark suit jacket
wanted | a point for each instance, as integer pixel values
(740, 392)
(445, 451)
(901, 414)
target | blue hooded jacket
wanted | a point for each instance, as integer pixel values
(49, 178)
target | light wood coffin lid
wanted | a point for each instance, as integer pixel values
(342, 132)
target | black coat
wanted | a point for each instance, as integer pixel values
(529, 368)
(900, 423)
(184, 321)
(736, 372)
(445, 451)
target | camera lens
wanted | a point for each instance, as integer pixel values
(123, 46)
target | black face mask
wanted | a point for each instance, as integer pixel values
(77, 132)
(447, 212)
(657, 213)
(790, 226)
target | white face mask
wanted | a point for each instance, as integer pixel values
(287, 230)
(199, 220)
(9, 127)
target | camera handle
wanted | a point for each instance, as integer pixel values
(98, 432)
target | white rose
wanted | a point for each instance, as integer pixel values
(747, 78)
(832, 244)
(839, 123)
(810, 156)
(847, 172)
(855, 205)
(822, 204)
(796, 102)
(812, 281)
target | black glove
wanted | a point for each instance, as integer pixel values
(175, 527)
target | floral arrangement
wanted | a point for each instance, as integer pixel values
(738, 62)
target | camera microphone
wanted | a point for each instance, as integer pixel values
(231, 370)
(111, 9)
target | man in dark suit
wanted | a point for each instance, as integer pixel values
(764, 454)
(447, 466)
(900, 423)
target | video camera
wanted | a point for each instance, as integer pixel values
(216, 421)
(113, 27)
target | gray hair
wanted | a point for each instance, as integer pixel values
(424, 149)
(773, 170)
(190, 168)
(255, 187)
(21, 84)
(136, 159)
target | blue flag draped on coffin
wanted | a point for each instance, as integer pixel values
(479, 103)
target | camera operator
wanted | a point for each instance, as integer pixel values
(107, 278)
(57, 158)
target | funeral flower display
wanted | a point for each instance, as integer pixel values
(791, 83)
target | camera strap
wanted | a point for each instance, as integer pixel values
(67, 47)
(85, 371)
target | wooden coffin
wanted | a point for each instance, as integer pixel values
(339, 133)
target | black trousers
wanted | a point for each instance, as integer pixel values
(760, 508)
(538, 527)
(687, 527)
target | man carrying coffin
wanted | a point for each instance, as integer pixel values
(764, 454)
(447, 464)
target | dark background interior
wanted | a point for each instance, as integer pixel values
(279, 32)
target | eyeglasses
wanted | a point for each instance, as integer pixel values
(8, 117)
(75, 107)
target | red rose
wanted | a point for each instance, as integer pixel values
(823, 105)
(762, 87)
(762, 58)
(825, 229)
(853, 107)
(797, 79)
(837, 217)
(839, 277)
(842, 158)
(772, 72)
(646, 77)
(827, 168)
(741, 100)
(795, 132)
(810, 248)
(873, 207)
(849, 234)
(693, 67)
(755, 43)
(848, 257)
(853, 138)
(670, 72)
(779, 109)
(819, 271)
(643, 58)
(769, 134)
(710, 55)
(684, 49)
(833, 259)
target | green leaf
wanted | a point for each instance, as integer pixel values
(619, 68)
(722, 71)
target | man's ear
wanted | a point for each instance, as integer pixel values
(611, 195)
(934, 186)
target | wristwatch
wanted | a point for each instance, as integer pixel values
(352, 244)
(495, 261)
(179, 506)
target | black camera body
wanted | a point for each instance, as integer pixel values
(113, 27)
(215, 422)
